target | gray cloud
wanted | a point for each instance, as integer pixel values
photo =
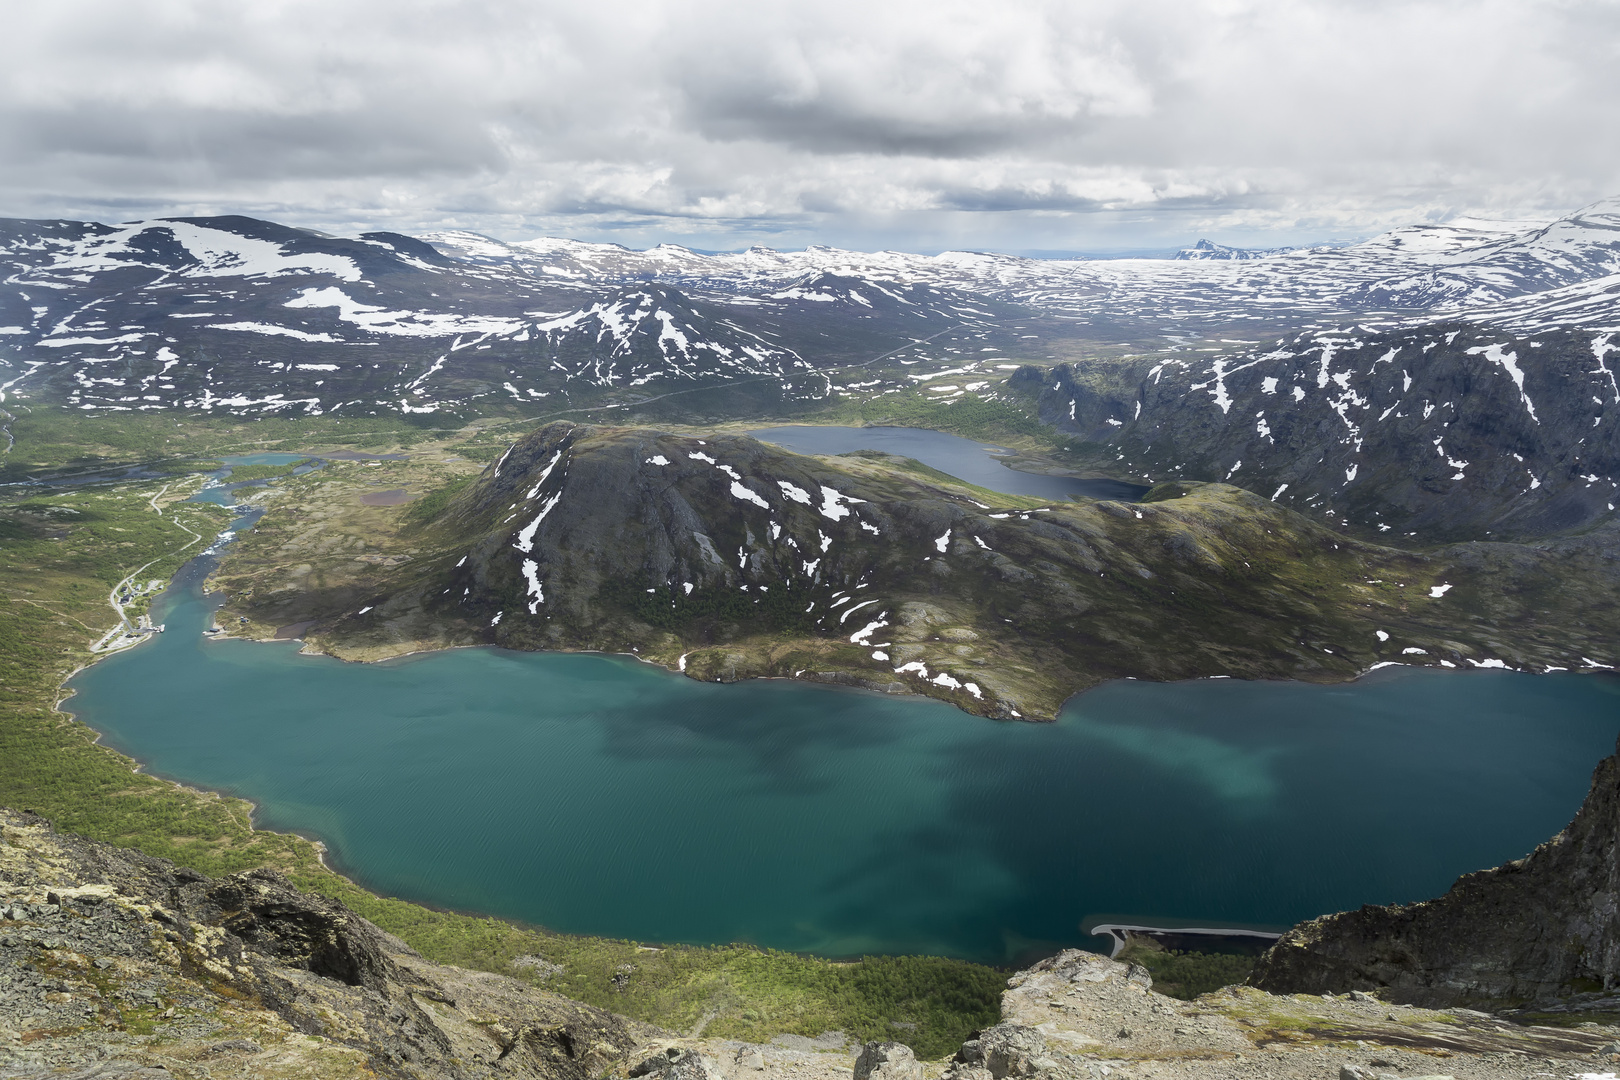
(908, 124)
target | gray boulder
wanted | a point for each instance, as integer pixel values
(887, 1061)
(677, 1064)
(1006, 1050)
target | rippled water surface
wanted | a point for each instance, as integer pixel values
(598, 795)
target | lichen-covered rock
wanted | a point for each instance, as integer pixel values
(675, 1063)
(887, 1061)
(1534, 931)
(253, 977)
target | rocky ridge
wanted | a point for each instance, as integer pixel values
(130, 964)
(1539, 933)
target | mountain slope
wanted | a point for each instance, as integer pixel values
(239, 316)
(726, 558)
(242, 316)
(1436, 430)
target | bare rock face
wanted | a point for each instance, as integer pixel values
(887, 1061)
(271, 918)
(675, 1063)
(1540, 930)
(102, 949)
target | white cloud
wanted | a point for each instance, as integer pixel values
(922, 125)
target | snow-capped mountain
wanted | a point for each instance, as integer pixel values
(1208, 249)
(1495, 415)
(245, 316)
(1318, 374)
(1496, 421)
(1415, 269)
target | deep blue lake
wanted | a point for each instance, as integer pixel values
(599, 795)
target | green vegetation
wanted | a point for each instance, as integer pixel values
(984, 496)
(667, 607)
(998, 419)
(432, 504)
(485, 452)
(59, 557)
(179, 466)
(1186, 975)
(262, 472)
(1568, 1019)
(51, 440)
(61, 552)
(747, 993)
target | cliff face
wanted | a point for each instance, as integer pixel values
(1538, 930)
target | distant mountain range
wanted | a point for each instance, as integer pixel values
(1208, 249)
(1455, 372)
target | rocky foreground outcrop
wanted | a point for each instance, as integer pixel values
(1080, 1016)
(112, 958)
(116, 966)
(1541, 931)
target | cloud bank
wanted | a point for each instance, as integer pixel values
(1019, 125)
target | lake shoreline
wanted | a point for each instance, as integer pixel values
(364, 871)
(393, 877)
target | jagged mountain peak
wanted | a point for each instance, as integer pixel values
(1208, 249)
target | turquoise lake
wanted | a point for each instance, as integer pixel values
(598, 795)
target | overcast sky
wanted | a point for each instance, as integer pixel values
(1016, 126)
